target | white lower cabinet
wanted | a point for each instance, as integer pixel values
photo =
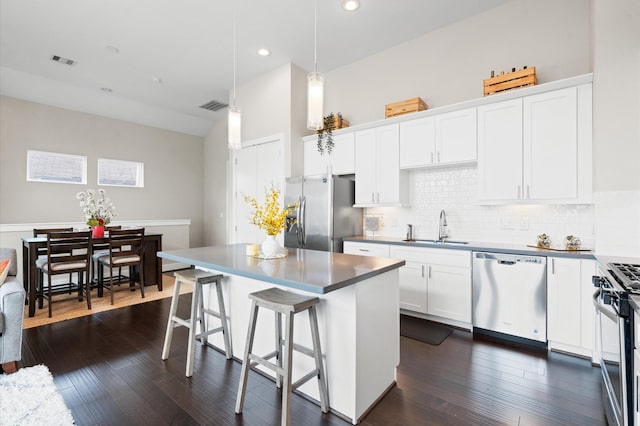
(436, 282)
(571, 317)
(366, 249)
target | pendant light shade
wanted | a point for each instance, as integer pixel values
(315, 98)
(235, 124)
(315, 83)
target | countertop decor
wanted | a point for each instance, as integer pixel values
(271, 218)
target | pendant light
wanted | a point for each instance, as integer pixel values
(315, 83)
(234, 116)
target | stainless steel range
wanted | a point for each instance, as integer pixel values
(619, 281)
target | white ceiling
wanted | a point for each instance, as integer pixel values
(188, 44)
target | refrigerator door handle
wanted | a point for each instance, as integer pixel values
(302, 229)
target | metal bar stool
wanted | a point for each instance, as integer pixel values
(288, 304)
(197, 279)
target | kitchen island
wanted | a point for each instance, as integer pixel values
(358, 316)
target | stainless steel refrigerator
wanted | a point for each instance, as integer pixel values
(325, 213)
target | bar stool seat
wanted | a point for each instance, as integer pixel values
(197, 278)
(288, 304)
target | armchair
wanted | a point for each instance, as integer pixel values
(12, 297)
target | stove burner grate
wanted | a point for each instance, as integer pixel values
(627, 273)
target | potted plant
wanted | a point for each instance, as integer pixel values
(98, 210)
(330, 123)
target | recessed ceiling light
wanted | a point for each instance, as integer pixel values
(264, 52)
(156, 80)
(112, 49)
(350, 5)
(106, 89)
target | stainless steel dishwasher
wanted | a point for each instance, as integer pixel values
(510, 297)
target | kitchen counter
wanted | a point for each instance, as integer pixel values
(358, 316)
(479, 246)
(309, 270)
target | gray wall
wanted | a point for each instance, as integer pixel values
(173, 166)
(448, 65)
(215, 184)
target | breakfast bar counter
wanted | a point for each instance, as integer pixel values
(358, 315)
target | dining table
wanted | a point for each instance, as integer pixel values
(32, 245)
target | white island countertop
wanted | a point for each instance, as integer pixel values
(358, 316)
(309, 270)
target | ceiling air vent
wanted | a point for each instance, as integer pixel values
(214, 105)
(62, 60)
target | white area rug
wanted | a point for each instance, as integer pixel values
(29, 397)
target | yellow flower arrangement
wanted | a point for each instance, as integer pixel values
(270, 217)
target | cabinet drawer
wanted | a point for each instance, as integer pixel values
(461, 258)
(366, 249)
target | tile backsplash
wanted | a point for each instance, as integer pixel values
(455, 190)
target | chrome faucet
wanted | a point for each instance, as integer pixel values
(442, 230)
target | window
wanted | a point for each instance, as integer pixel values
(54, 167)
(120, 173)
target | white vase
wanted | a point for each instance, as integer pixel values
(270, 246)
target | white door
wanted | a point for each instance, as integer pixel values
(256, 168)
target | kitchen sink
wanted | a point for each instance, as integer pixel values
(443, 242)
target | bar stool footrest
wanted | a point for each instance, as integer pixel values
(311, 375)
(208, 333)
(255, 360)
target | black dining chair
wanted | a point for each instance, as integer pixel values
(67, 253)
(126, 248)
(42, 259)
(102, 249)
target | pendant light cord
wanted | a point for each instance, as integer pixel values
(234, 54)
(315, 35)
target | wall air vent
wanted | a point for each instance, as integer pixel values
(214, 105)
(62, 60)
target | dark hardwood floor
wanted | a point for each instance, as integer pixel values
(109, 371)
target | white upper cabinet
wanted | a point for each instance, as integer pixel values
(341, 161)
(441, 139)
(500, 150)
(551, 145)
(417, 142)
(536, 148)
(456, 136)
(377, 167)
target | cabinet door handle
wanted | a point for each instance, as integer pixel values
(528, 192)
(378, 197)
(422, 267)
(373, 197)
(438, 156)
(518, 192)
(431, 157)
(365, 250)
(553, 266)
(429, 271)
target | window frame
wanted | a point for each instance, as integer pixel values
(139, 172)
(58, 155)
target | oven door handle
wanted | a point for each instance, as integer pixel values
(596, 297)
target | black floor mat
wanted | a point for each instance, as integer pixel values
(423, 330)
